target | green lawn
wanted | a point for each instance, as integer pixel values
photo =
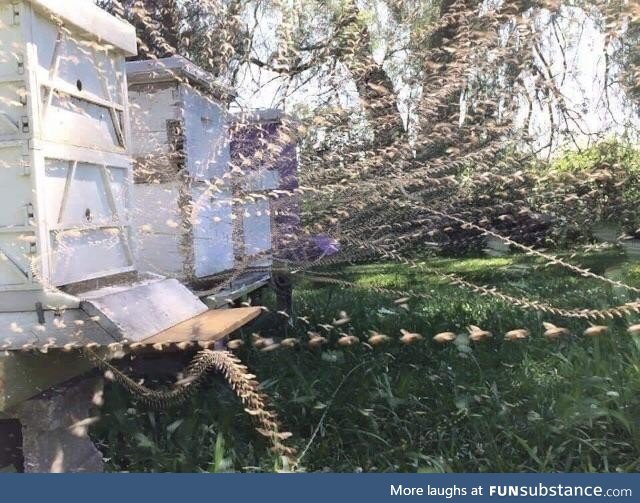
(533, 405)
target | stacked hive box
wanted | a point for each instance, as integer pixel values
(264, 149)
(67, 272)
(183, 199)
(64, 166)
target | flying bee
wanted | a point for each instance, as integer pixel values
(595, 330)
(516, 335)
(553, 332)
(290, 342)
(634, 329)
(270, 347)
(317, 341)
(343, 318)
(444, 337)
(348, 340)
(377, 338)
(409, 337)
(476, 334)
(235, 344)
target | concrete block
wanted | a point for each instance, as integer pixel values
(55, 429)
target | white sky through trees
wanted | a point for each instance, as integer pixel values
(571, 41)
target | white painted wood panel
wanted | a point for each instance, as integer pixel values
(261, 179)
(64, 165)
(14, 259)
(151, 107)
(75, 122)
(207, 138)
(158, 224)
(212, 232)
(15, 187)
(12, 48)
(201, 242)
(78, 255)
(256, 221)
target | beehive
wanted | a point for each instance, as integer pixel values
(64, 168)
(65, 190)
(264, 150)
(183, 200)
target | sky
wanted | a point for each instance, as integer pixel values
(596, 114)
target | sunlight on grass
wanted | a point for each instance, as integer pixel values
(532, 405)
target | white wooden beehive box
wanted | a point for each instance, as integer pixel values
(183, 194)
(265, 151)
(65, 173)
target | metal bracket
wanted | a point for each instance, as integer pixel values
(15, 20)
(23, 97)
(20, 63)
(26, 165)
(25, 124)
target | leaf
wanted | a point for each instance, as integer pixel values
(144, 441)
(174, 426)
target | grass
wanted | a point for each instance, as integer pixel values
(498, 406)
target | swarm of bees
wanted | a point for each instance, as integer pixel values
(346, 339)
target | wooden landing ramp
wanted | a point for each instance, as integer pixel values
(25, 373)
(209, 326)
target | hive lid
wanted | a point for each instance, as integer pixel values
(260, 116)
(93, 20)
(175, 68)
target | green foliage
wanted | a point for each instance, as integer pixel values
(498, 406)
(214, 435)
(609, 153)
(584, 190)
(580, 197)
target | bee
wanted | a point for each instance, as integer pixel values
(342, 319)
(595, 330)
(235, 344)
(552, 332)
(516, 335)
(476, 334)
(377, 338)
(348, 340)
(317, 341)
(634, 329)
(262, 342)
(289, 342)
(444, 337)
(409, 337)
(270, 347)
